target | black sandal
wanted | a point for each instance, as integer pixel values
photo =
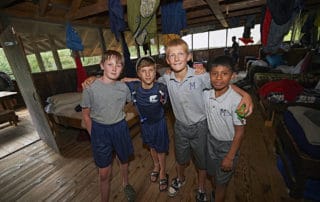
(164, 182)
(154, 176)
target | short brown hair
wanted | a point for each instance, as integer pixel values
(177, 42)
(145, 62)
(112, 53)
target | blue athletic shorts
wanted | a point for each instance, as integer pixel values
(106, 139)
(155, 135)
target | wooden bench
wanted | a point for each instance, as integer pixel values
(8, 115)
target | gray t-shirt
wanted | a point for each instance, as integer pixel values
(221, 113)
(186, 96)
(106, 101)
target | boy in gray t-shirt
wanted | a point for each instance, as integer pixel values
(102, 110)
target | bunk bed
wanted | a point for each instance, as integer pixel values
(298, 148)
(64, 110)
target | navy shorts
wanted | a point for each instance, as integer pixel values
(106, 139)
(155, 135)
(217, 150)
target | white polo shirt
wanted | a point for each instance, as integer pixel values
(221, 113)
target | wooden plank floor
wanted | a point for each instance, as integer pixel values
(13, 138)
(36, 173)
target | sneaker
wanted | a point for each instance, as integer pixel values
(201, 196)
(130, 193)
(176, 184)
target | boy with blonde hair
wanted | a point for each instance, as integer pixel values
(191, 129)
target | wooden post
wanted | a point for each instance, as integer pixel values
(55, 52)
(20, 67)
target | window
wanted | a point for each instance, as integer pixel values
(48, 61)
(67, 61)
(217, 39)
(33, 63)
(4, 65)
(188, 40)
(200, 41)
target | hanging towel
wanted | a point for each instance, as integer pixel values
(81, 72)
(173, 17)
(116, 19)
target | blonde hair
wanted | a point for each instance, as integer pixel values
(177, 42)
(145, 62)
(110, 54)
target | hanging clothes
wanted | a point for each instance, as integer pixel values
(116, 19)
(81, 72)
(281, 10)
(143, 28)
(173, 17)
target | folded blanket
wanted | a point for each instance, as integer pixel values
(309, 127)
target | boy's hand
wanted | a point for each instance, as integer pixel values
(168, 71)
(248, 103)
(88, 82)
(199, 68)
(227, 164)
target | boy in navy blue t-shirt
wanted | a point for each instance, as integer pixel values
(149, 97)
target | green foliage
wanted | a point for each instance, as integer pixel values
(4, 65)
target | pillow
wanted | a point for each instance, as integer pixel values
(314, 116)
(65, 98)
(274, 60)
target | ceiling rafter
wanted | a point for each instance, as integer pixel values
(215, 7)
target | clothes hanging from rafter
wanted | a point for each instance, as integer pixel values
(173, 17)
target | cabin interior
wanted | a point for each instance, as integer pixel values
(45, 152)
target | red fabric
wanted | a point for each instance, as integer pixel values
(246, 40)
(266, 27)
(81, 72)
(289, 88)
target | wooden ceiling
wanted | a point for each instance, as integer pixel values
(41, 23)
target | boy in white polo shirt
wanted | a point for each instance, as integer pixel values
(225, 126)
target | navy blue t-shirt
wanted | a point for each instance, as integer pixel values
(148, 100)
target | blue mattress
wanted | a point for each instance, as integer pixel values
(299, 137)
(312, 187)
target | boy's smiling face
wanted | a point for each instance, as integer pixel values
(177, 57)
(112, 68)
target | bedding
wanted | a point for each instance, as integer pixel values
(304, 132)
(61, 109)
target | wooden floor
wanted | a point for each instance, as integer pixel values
(36, 173)
(14, 138)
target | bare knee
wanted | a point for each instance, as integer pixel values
(104, 173)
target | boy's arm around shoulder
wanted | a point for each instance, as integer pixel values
(88, 82)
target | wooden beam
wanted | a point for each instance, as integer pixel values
(215, 7)
(55, 52)
(73, 9)
(13, 50)
(99, 7)
(43, 7)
